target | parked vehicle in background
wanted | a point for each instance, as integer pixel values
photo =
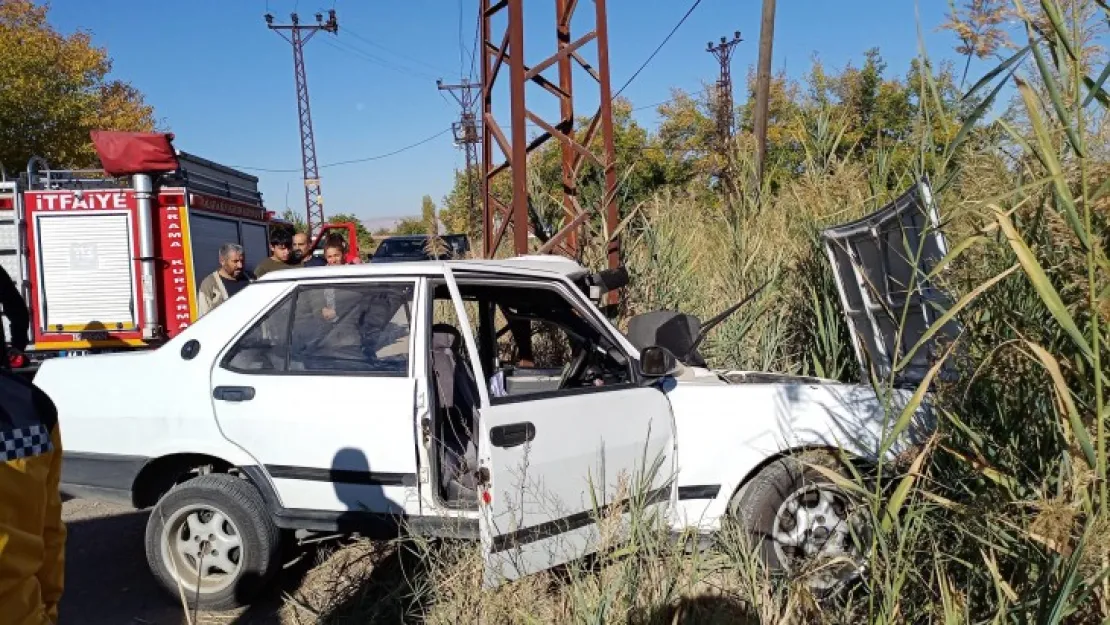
(111, 262)
(404, 248)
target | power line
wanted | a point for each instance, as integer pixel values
(651, 106)
(658, 48)
(375, 44)
(462, 48)
(377, 60)
(353, 160)
(474, 50)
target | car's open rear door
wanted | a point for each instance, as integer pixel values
(566, 472)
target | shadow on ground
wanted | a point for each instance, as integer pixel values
(108, 582)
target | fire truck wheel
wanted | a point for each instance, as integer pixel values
(211, 542)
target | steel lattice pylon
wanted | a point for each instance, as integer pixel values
(725, 113)
(577, 146)
(314, 201)
(468, 136)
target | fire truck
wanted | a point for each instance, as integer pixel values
(109, 263)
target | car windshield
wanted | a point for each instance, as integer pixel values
(401, 248)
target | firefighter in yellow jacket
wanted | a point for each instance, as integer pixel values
(32, 536)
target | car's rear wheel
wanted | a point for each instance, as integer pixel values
(211, 541)
(803, 524)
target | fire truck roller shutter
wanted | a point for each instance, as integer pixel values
(255, 242)
(208, 234)
(83, 254)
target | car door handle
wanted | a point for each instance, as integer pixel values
(233, 393)
(512, 434)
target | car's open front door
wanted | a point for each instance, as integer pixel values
(568, 474)
(565, 472)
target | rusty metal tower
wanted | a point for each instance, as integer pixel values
(299, 34)
(467, 136)
(506, 129)
(724, 112)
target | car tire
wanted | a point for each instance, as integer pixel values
(238, 550)
(788, 493)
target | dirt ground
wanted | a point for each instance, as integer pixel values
(108, 582)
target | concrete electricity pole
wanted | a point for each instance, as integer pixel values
(299, 34)
(725, 113)
(468, 136)
(763, 87)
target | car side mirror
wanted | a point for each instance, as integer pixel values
(657, 362)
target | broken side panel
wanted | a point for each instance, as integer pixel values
(882, 265)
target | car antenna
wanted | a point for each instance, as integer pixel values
(725, 314)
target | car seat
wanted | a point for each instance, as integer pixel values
(457, 393)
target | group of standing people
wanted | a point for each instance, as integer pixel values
(32, 534)
(286, 252)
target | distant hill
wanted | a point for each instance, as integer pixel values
(389, 223)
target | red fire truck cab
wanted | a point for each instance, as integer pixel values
(74, 243)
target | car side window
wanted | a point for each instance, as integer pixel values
(337, 329)
(534, 342)
(352, 328)
(264, 348)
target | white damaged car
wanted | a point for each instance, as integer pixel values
(489, 400)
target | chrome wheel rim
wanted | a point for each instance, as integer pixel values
(202, 549)
(816, 531)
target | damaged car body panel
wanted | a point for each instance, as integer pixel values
(883, 266)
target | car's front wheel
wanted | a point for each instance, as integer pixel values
(803, 524)
(211, 542)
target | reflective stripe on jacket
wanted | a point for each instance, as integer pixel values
(32, 535)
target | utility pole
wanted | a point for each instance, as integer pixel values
(593, 145)
(300, 34)
(725, 113)
(468, 136)
(763, 87)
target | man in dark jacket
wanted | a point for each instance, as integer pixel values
(15, 309)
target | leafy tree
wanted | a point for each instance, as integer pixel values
(428, 215)
(411, 225)
(365, 239)
(296, 218)
(55, 90)
(455, 213)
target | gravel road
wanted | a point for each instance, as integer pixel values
(108, 582)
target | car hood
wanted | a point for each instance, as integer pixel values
(883, 265)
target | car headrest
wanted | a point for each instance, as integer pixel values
(445, 336)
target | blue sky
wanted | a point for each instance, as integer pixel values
(223, 83)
